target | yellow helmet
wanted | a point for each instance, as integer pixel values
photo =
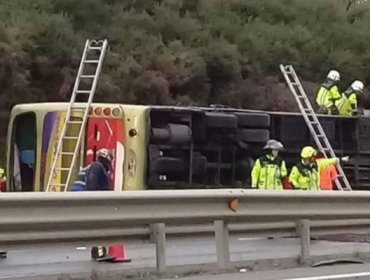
(308, 152)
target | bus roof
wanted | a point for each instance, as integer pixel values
(62, 106)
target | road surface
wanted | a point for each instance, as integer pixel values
(337, 272)
(50, 261)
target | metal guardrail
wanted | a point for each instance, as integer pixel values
(57, 217)
(276, 229)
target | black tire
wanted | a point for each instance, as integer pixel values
(167, 165)
(172, 134)
(179, 133)
(255, 135)
(253, 120)
(221, 120)
(160, 134)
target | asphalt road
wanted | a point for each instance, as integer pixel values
(337, 272)
(180, 251)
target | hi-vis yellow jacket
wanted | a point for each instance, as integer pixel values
(267, 173)
(327, 94)
(347, 103)
(307, 176)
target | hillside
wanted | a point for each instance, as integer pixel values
(180, 51)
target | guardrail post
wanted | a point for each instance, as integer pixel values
(303, 230)
(222, 244)
(159, 235)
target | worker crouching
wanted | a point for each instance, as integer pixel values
(95, 177)
(347, 105)
(328, 94)
(270, 169)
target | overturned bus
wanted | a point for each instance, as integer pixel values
(167, 147)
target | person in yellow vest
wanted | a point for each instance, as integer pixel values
(328, 94)
(305, 175)
(269, 170)
(347, 105)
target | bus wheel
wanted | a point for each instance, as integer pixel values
(255, 135)
(221, 120)
(253, 120)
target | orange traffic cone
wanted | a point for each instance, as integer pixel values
(118, 252)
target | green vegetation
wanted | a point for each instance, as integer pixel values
(180, 51)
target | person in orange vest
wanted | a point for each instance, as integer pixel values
(327, 175)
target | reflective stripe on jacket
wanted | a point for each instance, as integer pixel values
(327, 94)
(307, 176)
(267, 173)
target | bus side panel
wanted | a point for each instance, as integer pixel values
(53, 125)
(47, 132)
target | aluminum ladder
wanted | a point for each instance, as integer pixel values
(88, 72)
(313, 123)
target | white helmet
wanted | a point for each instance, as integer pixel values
(104, 153)
(357, 86)
(273, 145)
(333, 75)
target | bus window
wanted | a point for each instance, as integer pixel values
(24, 152)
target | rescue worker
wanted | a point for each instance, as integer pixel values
(305, 175)
(95, 177)
(347, 105)
(80, 183)
(328, 94)
(327, 175)
(269, 170)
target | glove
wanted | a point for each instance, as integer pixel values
(345, 159)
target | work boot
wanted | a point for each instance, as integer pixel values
(323, 110)
(333, 110)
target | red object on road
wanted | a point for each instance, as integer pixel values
(118, 252)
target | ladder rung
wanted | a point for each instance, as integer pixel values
(95, 48)
(57, 184)
(75, 122)
(88, 76)
(63, 168)
(91, 61)
(67, 153)
(70, 137)
(83, 91)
